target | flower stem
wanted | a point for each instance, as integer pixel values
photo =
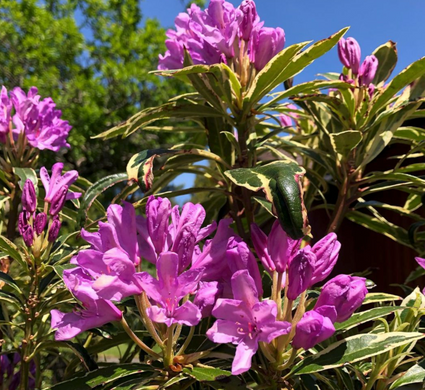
(139, 342)
(142, 304)
(187, 341)
(169, 356)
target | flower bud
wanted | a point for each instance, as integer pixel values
(28, 235)
(368, 70)
(58, 200)
(40, 223)
(370, 90)
(349, 53)
(22, 222)
(259, 240)
(326, 251)
(267, 42)
(312, 329)
(247, 22)
(346, 293)
(54, 230)
(29, 197)
(300, 273)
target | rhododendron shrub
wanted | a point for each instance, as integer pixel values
(233, 290)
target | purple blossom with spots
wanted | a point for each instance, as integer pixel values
(169, 289)
(245, 321)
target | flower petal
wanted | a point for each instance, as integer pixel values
(223, 332)
(243, 357)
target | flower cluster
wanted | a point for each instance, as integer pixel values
(197, 277)
(222, 33)
(31, 224)
(300, 269)
(38, 120)
(349, 53)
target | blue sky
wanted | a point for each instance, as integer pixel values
(372, 23)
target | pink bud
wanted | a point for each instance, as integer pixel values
(28, 236)
(368, 70)
(29, 197)
(300, 273)
(40, 223)
(54, 230)
(249, 12)
(58, 200)
(349, 53)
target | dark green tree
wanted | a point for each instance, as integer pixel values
(93, 57)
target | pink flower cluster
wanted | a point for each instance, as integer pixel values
(197, 277)
(37, 119)
(221, 33)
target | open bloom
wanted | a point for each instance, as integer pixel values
(94, 312)
(344, 292)
(275, 251)
(245, 321)
(169, 289)
(56, 183)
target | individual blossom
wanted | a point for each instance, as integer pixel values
(326, 253)
(93, 312)
(300, 272)
(265, 44)
(249, 19)
(368, 70)
(169, 289)
(275, 251)
(39, 120)
(157, 234)
(222, 256)
(349, 53)
(55, 183)
(312, 329)
(245, 321)
(346, 293)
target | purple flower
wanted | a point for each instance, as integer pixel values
(312, 329)
(349, 53)
(54, 184)
(368, 70)
(28, 235)
(346, 293)
(94, 312)
(206, 297)
(169, 289)
(54, 230)
(276, 250)
(29, 197)
(222, 256)
(265, 44)
(40, 223)
(5, 117)
(157, 235)
(326, 251)
(300, 273)
(287, 120)
(39, 120)
(249, 19)
(58, 201)
(245, 321)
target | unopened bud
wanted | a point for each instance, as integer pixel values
(368, 70)
(249, 12)
(28, 236)
(40, 223)
(349, 53)
(22, 222)
(58, 200)
(54, 230)
(29, 197)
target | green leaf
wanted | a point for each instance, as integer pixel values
(404, 78)
(280, 181)
(12, 250)
(103, 377)
(218, 142)
(354, 349)
(206, 374)
(5, 278)
(365, 316)
(25, 174)
(166, 111)
(345, 141)
(380, 297)
(97, 189)
(387, 60)
(415, 374)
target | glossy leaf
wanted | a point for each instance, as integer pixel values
(206, 374)
(12, 250)
(5, 278)
(387, 60)
(280, 181)
(354, 349)
(380, 297)
(345, 141)
(415, 374)
(24, 174)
